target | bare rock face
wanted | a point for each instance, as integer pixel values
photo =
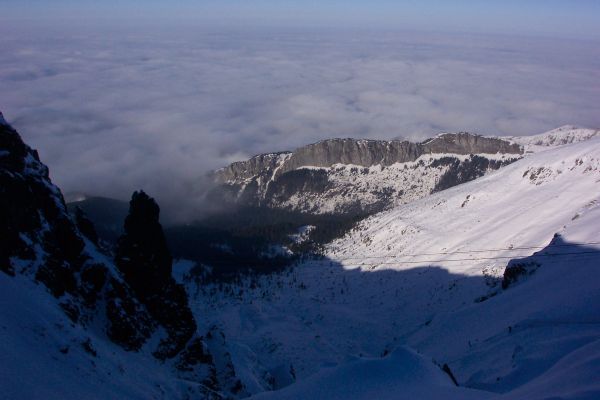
(145, 260)
(142, 253)
(364, 153)
(41, 240)
(127, 302)
(519, 269)
(349, 175)
(260, 165)
(466, 143)
(32, 209)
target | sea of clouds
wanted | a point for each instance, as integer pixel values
(114, 110)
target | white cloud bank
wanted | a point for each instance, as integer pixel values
(111, 112)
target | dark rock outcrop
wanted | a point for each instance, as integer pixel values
(41, 240)
(85, 225)
(520, 268)
(107, 214)
(142, 253)
(145, 261)
(125, 303)
(33, 210)
(461, 171)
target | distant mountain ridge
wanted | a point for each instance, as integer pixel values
(566, 134)
(364, 153)
(325, 177)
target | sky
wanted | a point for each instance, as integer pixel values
(549, 17)
(142, 101)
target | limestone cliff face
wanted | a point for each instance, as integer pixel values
(362, 152)
(356, 152)
(281, 180)
(466, 143)
(260, 165)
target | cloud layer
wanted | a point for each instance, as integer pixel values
(111, 112)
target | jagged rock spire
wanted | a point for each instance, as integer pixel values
(142, 252)
(2, 120)
(145, 260)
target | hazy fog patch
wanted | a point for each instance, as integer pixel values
(113, 112)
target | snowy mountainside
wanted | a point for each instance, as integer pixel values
(566, 134)
(523, 204)
(45, 355)
(348, 175)
(78, 324)
(403, 374)
(540, 337)
(417, 273)
(512, 211)
(493, 283)
(373, 188)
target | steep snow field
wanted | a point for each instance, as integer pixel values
(521, 205)
(401, 375)
(427, 274)
(557, 137)
(53, 358)
(542, 335)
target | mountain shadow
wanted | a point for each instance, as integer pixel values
(338, 311)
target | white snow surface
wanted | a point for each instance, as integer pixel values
(354, 184)
(403, 374)
(410, 289)
(566, 134)
(47, 359)
(521, 205)
(427, 275)
(351, 184)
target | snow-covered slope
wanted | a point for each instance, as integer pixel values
(473, 230)
(402, 375)
(43, 355)
(522, 205)
(348, 175)
(409, 299)
(428, 274)
(352, 187)
(566, 134)
(541, 335)
(73, 323)
(539, 339)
